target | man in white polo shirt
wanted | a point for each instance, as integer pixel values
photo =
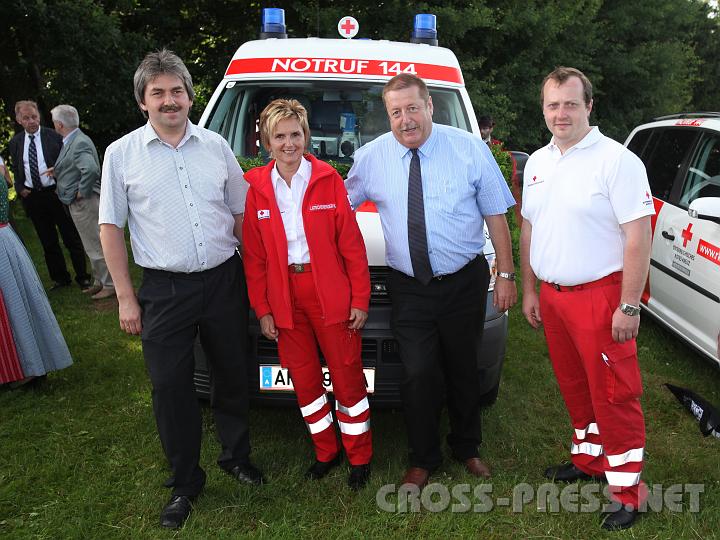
(586, 236)
(182, 192)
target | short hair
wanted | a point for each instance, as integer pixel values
(486, 121)
(159, 63)
(25, 103)
(406, 80)
(67, 114)
(562, 74)
(282, 109)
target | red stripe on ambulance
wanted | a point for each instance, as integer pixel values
(343, 66)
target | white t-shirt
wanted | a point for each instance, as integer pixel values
(576, 202)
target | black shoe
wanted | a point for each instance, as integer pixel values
(567, 472)
(176, 511)
(85, 284)
(620, 519)
(319, 469)
(60, 284)
(359, 476)
(247, 474)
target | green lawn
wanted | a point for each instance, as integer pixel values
(80, 457)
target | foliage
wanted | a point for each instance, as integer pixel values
(504, 161)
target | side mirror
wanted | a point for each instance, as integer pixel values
(707, 208)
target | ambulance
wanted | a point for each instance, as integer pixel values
(681, 153)
(340, 81)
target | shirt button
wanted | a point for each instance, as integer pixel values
(202, 264)
(191, 204)
(181, 168)
(185, 186)
(200, 244)
(196, 224)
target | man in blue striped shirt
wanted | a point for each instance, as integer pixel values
(438, 290)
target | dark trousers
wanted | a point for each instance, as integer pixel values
(438, 328)
(48, 215)
(175, 307)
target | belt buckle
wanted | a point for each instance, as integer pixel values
(298, 268)
(556, 286)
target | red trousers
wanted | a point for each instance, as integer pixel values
(600, 382)
(298, 349)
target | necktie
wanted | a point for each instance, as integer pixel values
(417, 236)
(33, 162)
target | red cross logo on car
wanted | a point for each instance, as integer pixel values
(347, 26)
(687, 234)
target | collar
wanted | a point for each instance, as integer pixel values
(588, 140)
(67, 138)
(303, 173)
(426, 148)
(191, 130)
(37, 133)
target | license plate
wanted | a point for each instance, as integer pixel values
(275, 378)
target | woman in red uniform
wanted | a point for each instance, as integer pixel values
(309, 284)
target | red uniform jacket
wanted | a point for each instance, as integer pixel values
(337, 251)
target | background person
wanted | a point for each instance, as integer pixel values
(77, 172)
(182, 191)
(33, 153)
(35, 345)
(309, 284)
(434, 187)
(586, 235)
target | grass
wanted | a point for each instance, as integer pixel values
(80, 456)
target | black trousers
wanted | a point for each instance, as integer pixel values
(175, 307)
(438, 328)
(48, 215)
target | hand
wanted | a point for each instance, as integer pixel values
(50, 172)
(531, 308)
(357, 318)
(130, 315)
(624, 327)
(78, 196)
(267, 327)
(505, 294)
(24, 192)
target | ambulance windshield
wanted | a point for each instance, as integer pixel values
(342, 115)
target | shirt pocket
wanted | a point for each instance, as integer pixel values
(622, 376)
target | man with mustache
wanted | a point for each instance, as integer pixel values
(434, 186)
(182, 192)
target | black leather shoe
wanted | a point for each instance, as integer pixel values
(319, 469)
(620, 519)
(567, 472)
(85, 284)
(60, 284)
(176, 511)
(359, 476)
(247, 474)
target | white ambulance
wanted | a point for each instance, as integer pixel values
(340, 81)
(681, 153)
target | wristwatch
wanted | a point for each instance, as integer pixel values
(510, 276)
(629, 309)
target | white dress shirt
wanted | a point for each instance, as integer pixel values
(179, 202)
(289, 200)
(45, 180)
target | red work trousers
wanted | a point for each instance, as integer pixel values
(600, 382)
(298, 349)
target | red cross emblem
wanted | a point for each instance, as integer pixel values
(687, 234)
(647, 194)
(534, 178)
(347, 26)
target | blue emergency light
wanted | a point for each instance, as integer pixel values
(425, 29)
(273, 24)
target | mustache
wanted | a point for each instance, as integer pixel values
(169, 108)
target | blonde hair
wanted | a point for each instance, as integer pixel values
(282, 109)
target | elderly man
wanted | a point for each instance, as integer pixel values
(183, 193)
(33, 152)
(434, 187)
(586, 236)
(77, 173)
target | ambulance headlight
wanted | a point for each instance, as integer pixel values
(273, 22)
(425, 29)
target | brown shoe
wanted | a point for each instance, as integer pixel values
(477, 467)
(93, 289)
(416, 476)
(105, 292)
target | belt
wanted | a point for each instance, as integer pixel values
(299, 268)
(40, 190)
(610, 279)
